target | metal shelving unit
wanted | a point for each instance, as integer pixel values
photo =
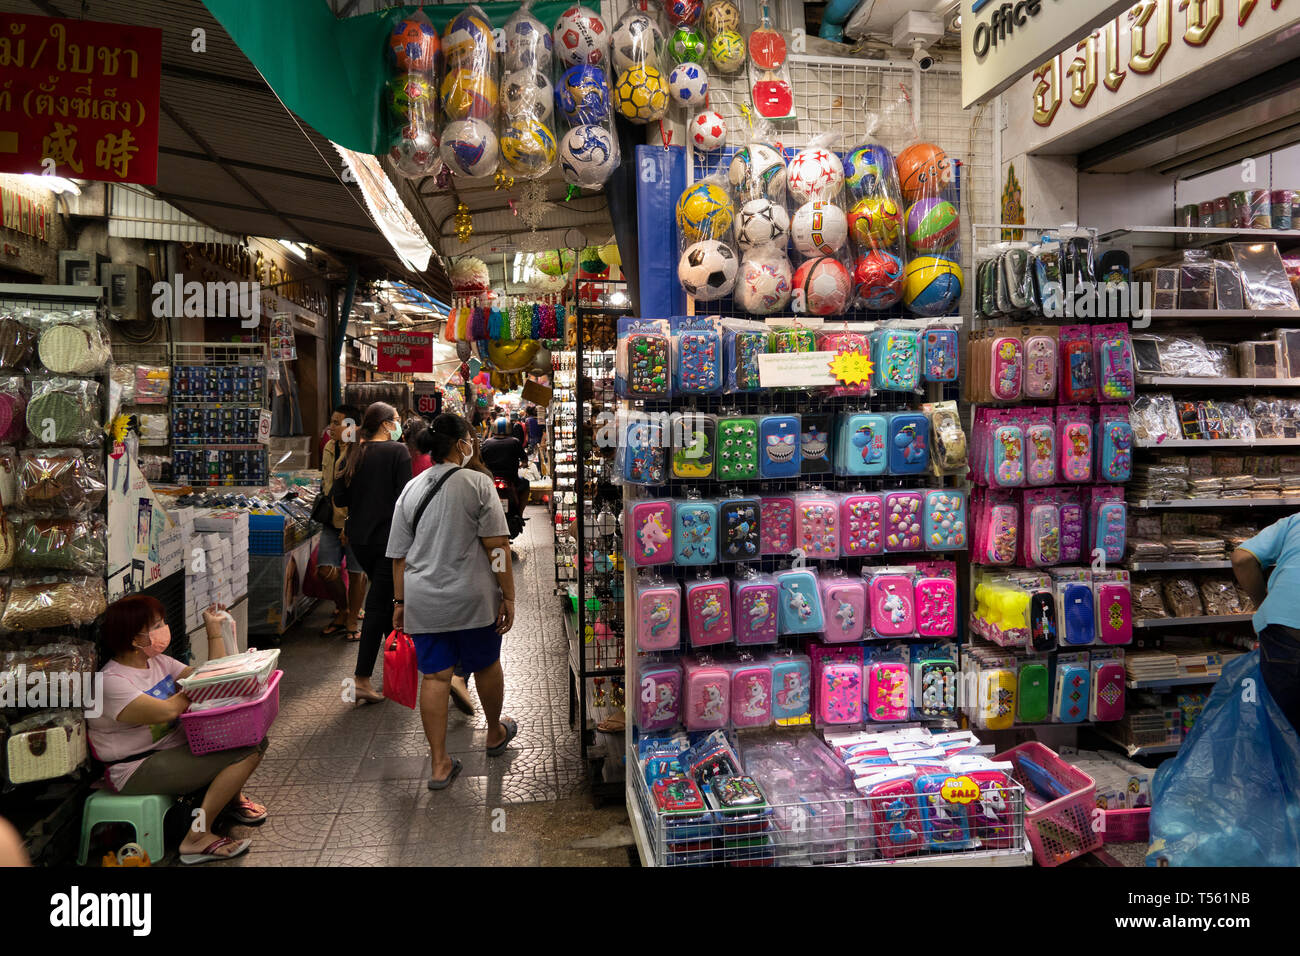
(1183, 503)
(1179, 565)
(1163, 683)
(1191, 621)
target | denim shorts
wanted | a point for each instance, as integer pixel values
(332, 551)
(468, 651)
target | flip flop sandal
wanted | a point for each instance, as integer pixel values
(240, 811)
(512, 731)
(352, 636)
(334, 628)
(208, 853)
(445, 782)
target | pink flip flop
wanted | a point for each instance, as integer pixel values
(209, 852)
(242, 811)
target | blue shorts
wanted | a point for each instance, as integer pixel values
(332, 551)
(468, 651)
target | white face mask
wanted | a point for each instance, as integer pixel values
(465, 455)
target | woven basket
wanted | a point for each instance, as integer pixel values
(45, 754)
(69, 349)
(39, 604)
(60, 544)
(72, 419)
(12, 410)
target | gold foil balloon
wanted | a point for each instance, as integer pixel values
(512, 355)
(609, 255)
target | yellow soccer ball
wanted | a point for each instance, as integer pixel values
(528, 146)
(704, 211)
(641, 94)
(468, 95)
(728, 51)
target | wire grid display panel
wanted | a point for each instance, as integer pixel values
(564, 469)
(843, 831)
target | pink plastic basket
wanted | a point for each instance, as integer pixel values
(239, 725)
(1061, 829)
(1127, 826)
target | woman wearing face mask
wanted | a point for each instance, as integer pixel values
(368, 485)
(137, 732)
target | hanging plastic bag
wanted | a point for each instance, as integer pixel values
(588, 147)
(527, 133)
(1232, 795)
(413, 56)
(469, 95)
(401, 670)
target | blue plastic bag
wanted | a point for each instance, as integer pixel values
(1232, 795)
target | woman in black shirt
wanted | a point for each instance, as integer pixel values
(368, 486)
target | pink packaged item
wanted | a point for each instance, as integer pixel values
(1007, 370)
(1076, 379)
(777, 525)
(755, 602)
(891, 597)
(999, 535)
(1113, 355)
(992, 816)
(844, 601)
(650, 533)
(862, 525)
(904, 527)
(1040, 449)
(659, 702)
(658, 616)
(1114, 611)
(708, 612)
(841, 343)
(1074, 440)
(1073, 524)
(1107, 700)
(817, 527)
(751, 694)
(1040, 367)
(1008, 451)
(936, 606)
(837, 684)
(888, 691)
(706, 704)
(1042, 524)
(896, 822)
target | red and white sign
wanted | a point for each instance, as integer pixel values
(426, 398)
(405, 352)
(79, 98)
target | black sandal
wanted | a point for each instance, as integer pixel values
(351, 637)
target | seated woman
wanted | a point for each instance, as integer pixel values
(138, 735)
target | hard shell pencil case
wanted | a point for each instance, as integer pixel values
(888, 691)
(751, 695)
(778, 525)
(943, 823)
(844, 605)
(695, 533)
(755, 605)
(706, 703)
(739, 529)
(791, 687)
(904, 523)
(862, 525)
(708, 612)
(941, 362)
(659, 620)
(651, 539)
(659, 703)
(909, 443)
(800, 603)
(736, 457)
(699, 362)
(1073, 691)
(861, 449)
(779, 444)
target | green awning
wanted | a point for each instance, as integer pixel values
(331, 72)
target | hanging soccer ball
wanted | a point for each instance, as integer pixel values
(683, 12)
(932, 225)
(468, 95)
(637, 39)
(641, 94)
(414, 44)
(583, 95)
(879, 279)
(721, 15)
(410, 95)
(868, 170)
(588, 155)
(414, 153)
(825, 284)
(688, 84)
(528, 92)
(687, 46)
(704, 211)
(875, 222)
(764, 283)
(581, 36)
(815, 174)
(528, 44)
(758, 171)
(467, 41)
(707, 270)
(527, 146)
(469, 147)
(728, 51)
(819, 229)
(708, 130)
(761, 222)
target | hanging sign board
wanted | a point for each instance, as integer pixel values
(406, 351)
(79, 98)
(428, 401)
(1002, 40)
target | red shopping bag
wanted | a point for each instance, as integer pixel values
(401, 670)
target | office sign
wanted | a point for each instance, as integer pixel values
(1002, 40)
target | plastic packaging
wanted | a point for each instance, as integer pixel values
(641, 90)
(469, 144)
(60, 481)
(73, 343)
(755, 598)
(18, 337)
(739, 529)
(415, 55)
(13, 408)
(61, 544)
(644, 361)
(695, 532)
(9, 465)
(697, 355)
(64, 411)
(708, 612)
(527, 136)
(48, 602)
(658, 614)
(743, 342)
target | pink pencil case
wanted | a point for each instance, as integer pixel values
(707, 701)
(708, 612)
(658, 617)
(777, 525)
(888, 691)
(862, 525)
(751, 695)
(844, 606)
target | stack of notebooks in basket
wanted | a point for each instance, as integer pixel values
(1151, 665)
(230, 680)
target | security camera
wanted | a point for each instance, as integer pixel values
(921, 57)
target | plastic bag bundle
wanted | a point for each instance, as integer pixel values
(528, 145)
(757, 176)
(819, 229)
(60, 481)
(46, 602)
(414, 53)
(468, 94)
(17, 340)
(588, 147)
(721, 22)
(875, 220)
(13, 407)
(933, 281)
(709, 263)
(64, 411)
(61, 544)
(641, 92)
(73, 343)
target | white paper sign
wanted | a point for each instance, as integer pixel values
(796, 370)
(264, 427)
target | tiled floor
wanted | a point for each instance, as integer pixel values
(345, 784)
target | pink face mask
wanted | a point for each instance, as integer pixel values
(160, 638)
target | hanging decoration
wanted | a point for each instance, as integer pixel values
(591, 265)
(487, 318)
(609, 255)
(469, 274)
(503, 180)
(463, 223)
(554, 262)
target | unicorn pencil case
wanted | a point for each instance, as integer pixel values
(755, 604)
(659, 703)
(658, 617)
(650, 542)
(844, 605)
(708, 612)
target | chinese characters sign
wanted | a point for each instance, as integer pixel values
(406, 351)
(79, 99)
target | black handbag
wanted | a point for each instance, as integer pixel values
(322, 511)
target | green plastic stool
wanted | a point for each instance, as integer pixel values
(145, 813)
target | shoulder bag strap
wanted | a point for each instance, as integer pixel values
(424, 503)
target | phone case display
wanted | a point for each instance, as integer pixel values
(658, 615)
(660, 700)
(708, 612)
(751, 694)
(414, 56)
(215, 415)
(738, 449)
(650, 533)
(695, 532)
(780, 442)
(468, 144)
(844, 600)
(755, 601)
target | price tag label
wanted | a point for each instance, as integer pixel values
(796, 370)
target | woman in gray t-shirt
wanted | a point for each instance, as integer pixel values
(454, 588)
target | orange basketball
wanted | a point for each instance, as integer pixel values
(924, 170)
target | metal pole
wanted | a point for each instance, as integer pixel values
(340, 336)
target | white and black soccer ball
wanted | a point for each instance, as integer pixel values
(528, 44)
(588, 156)
(528, 93)
(756, 171)
(707, 269)
(689, 84)
(762, 222)
(637, 39)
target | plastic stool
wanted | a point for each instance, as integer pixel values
(145, 813)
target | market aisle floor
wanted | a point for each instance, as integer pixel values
(346, 786)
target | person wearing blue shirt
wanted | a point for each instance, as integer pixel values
(1275, 551)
